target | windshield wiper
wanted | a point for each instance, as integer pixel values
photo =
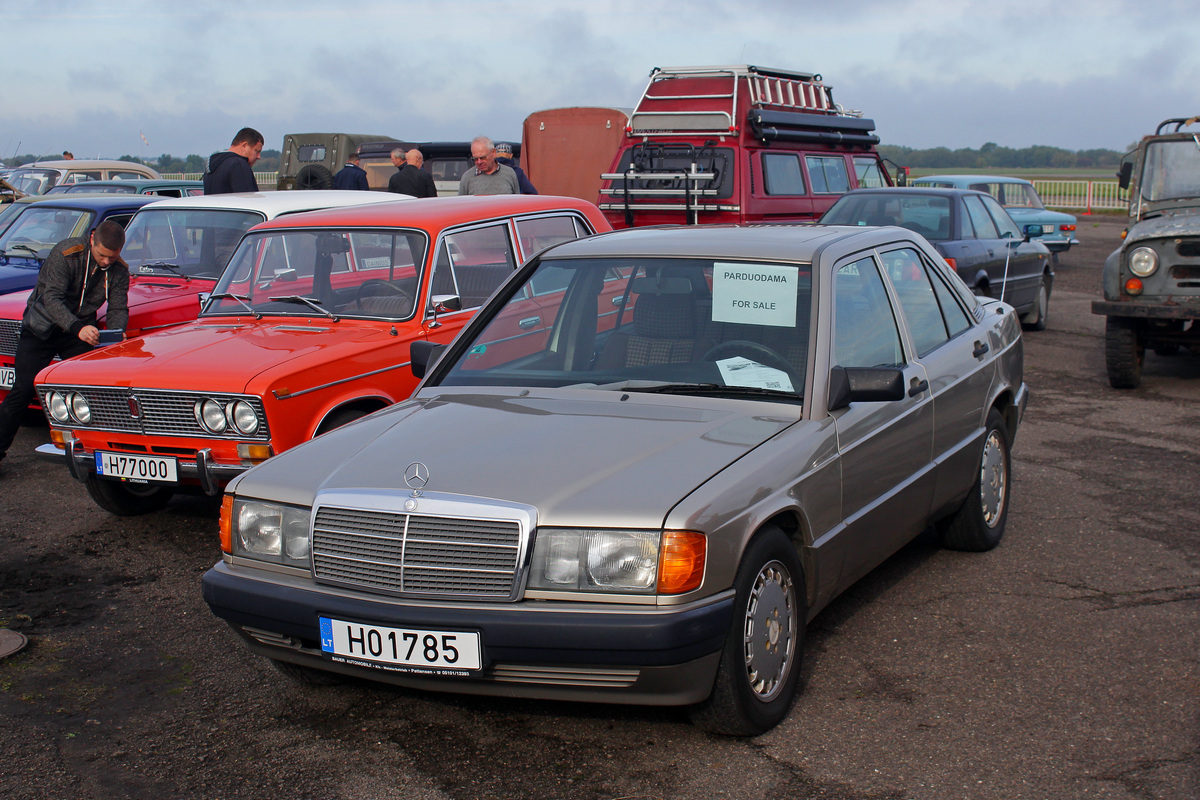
(172, 267)
(716, 389)
(27, 248)
(241, 298)
(311, 302)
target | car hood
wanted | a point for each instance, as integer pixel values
(216, 355)
(579, 456)
(1166, 225)
(15, 278)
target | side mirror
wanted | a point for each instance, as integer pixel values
(864, 385)
(423, 355)
(1031, 231)
(440, 304)
(1124, 174)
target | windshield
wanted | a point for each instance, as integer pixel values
(1172, 170)
(33, 234)
(191, 242)
(684, 325)
(332, 272)
(928, 215)
(33, 181)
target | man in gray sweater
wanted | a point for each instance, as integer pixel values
(79, 276)
(488, 176)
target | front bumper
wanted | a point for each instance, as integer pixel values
(1109, 308)
(211, 476)
(650, 655)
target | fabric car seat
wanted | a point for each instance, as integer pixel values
(664, 327)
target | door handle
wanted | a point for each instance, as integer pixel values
(529, 322)
(917, 386)
(980, 349)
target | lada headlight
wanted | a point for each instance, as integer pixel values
(56, 402)
(79, 408)
(243, 417)
(211, 416)
(1143, 261)
(619, 561)
(270, 532)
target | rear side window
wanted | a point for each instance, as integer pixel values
(541, 232)
(473, 263)
(828, 174)
(868, 173)
(782, 174)
(310, 152)
(981, 221)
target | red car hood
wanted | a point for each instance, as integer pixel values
(219, 355)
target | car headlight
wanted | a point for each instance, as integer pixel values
(211, 415)
(1143, 261)
(271, 532)
(243, 417)
(79, 408)
(56, 402)
(619, 561)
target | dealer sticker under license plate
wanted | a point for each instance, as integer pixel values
(137, 468)
(401, 649)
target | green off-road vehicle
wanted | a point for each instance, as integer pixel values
(1152, 281)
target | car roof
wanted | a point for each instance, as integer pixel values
(86, 163)
(793, 243)
(93, 202)
(917, 191)
(436, 212)
(968, 179)
(275, 203)
(139, 183)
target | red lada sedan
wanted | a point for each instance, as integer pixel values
(308, 328)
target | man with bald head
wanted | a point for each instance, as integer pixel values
(411, 179)
(488, 176)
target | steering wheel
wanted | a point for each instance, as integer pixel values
(387, 286)
(753, 350)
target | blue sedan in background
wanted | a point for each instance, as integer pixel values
(32, 226)
(972, 232)
(1020, 200)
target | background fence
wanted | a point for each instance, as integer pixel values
(1086, 195)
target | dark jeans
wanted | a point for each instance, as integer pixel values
(33, 355)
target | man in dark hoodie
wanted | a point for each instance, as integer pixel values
(78, 277)
(231, 170)
(504, 155)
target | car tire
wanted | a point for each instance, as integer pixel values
(1035, 319)
(760, 661)
(314, 176)
(1124, 352)
(307, 675)
(127, 499)
(978, 524)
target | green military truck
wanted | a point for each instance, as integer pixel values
(310, 160)
(1152, 281)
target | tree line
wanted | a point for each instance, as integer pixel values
(992, 156)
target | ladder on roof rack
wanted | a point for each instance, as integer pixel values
(667, 109)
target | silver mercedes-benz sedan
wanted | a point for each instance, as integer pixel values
(635, 476)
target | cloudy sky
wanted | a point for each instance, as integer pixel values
(95, 77)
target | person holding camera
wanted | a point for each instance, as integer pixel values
(78, 277)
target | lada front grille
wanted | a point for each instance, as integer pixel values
(412, 554)
(155, 412)
(10, 331)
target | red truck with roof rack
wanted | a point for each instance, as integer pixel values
(737, 144)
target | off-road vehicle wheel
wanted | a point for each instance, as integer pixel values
(1124, 352)
(314, 176)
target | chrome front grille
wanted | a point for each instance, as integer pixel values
(159, 413)
(417, 554)
(10, 331)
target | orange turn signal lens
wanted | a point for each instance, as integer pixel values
(953, 262)
(226, 524)
(1066, 227)
(681, 561)
(1133, 286)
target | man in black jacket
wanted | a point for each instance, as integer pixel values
(78, 277)
(231, 170)
(411, 179)
(352, 176)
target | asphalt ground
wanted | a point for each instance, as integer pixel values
(1063, 664)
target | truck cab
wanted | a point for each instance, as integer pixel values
(735, 144)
